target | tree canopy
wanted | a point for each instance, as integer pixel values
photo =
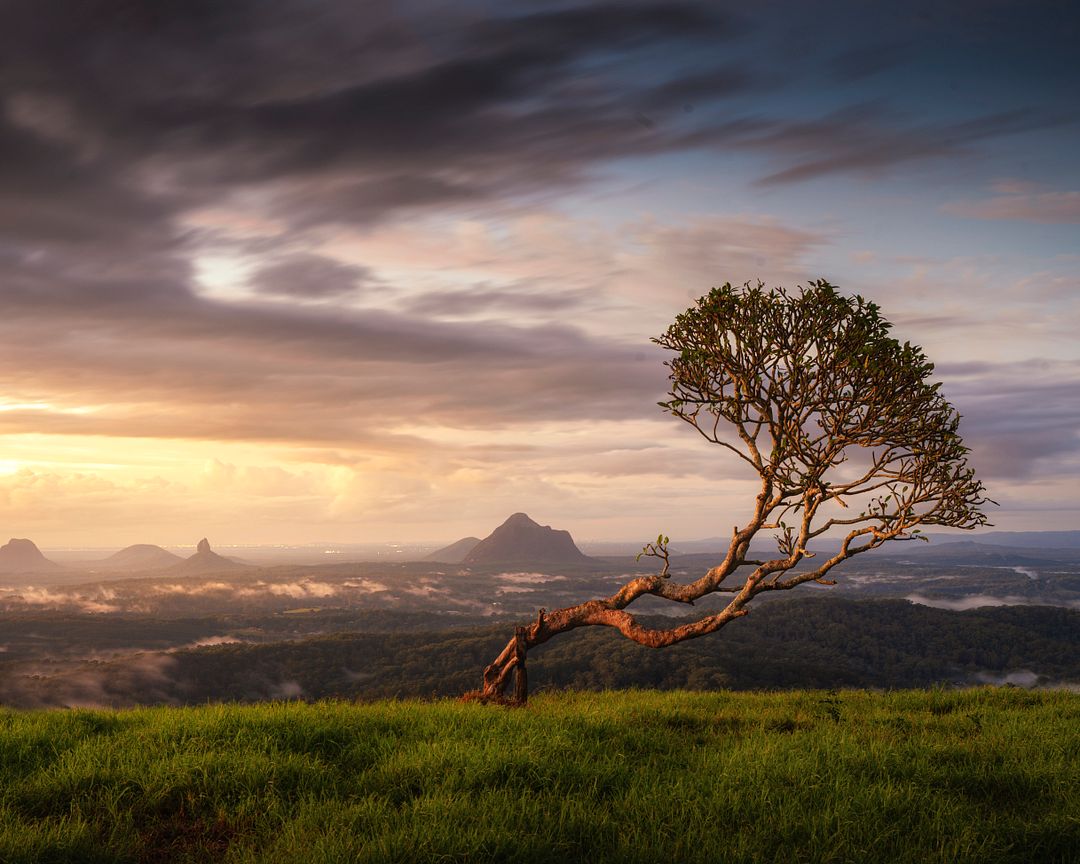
(826, 406)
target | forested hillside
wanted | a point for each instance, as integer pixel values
(808, 642)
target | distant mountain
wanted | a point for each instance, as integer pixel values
(521, 541)
(23, 556)
(141, 556)
(205, 560)
(967, 552)
(1058, 543)
(1015, 539)
(455, 553)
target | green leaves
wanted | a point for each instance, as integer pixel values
(659, 549)
(803, 377)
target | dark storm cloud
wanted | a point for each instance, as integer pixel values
(125, 320)
(509, 110)
(314, 277)
(343, 112)
(120, 118)
(180, 365)
(216, 95)
(52, 194)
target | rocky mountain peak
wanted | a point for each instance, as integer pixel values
(521, 541)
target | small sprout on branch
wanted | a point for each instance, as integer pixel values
(659, 549)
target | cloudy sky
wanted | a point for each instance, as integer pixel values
(303, 270)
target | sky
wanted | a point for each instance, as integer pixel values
(287, 271)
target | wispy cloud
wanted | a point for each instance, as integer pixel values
(1045, 208)
(865, 139)
(1020, 419)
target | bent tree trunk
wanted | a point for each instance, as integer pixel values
(611, 611)
(768, 575)
(511, 662)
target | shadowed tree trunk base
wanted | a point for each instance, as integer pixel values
(511, 662)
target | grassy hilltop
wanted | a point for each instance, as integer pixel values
(950, 776)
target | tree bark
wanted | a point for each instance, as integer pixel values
(521, 677)
(511, 660)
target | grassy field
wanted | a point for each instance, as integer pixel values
(950, 776)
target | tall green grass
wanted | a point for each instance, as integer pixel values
(957, 776)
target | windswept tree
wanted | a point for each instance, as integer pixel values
(837, 419)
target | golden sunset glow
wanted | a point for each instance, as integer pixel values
(402, 290)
